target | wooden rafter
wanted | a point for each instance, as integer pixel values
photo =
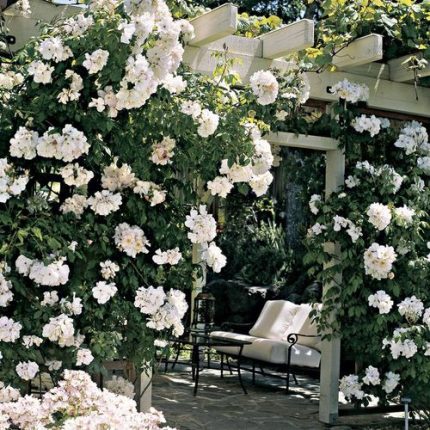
(214, 25)
(286, 40)
(364, 50)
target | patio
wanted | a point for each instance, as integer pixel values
(220, 404)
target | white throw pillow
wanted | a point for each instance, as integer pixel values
(274, 319)
(303, 324)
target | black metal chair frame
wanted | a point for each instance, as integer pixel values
(287, 367)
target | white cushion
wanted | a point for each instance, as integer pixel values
(274, 319)
(302, 324)
(302, 355)
(233, 350)
(271, 351)
(233, 336)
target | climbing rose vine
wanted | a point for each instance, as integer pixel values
(111, 155)
(379, 219)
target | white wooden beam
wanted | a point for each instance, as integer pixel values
(302, 141)
(371, 70)
(399, 71)
(291, 38)
(366, 49)
(384, 94)
(238, 45)
(214, 25)
(202, 60)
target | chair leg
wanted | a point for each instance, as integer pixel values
(229, 365)
(287, 379)
(295, 379)
(177, 357)
(222, 365)
(166, 363)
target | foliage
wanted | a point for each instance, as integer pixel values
(236, 302)
(254, 26)
(254, 243)
(149, 142)
(287, 10)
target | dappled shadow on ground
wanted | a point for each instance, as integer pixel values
(220, 403)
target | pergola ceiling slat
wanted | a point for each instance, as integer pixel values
(214, 25)
(286, 40)
(364, 50)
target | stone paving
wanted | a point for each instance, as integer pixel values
(221, 405)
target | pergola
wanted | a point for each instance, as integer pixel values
(391, 91)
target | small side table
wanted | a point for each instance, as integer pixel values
(198, 340)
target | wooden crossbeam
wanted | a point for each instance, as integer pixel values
(384, 94)
(372, 70)
(399, 71)
(214, 25)
(366, 49)
(303, 141)
(291, 38)
(238, 44)
(203, 60)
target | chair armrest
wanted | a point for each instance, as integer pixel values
(293, 338)
(242, 328)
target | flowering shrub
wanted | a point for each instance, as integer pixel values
(113, 153)
(379, 220)
(77, 403)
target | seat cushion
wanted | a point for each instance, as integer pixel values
(271, 351)
(233, 350)
(302, 355)
(274, 319)
(304, 325)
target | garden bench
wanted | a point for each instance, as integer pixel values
(284, 335)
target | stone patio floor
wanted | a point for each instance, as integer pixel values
(221, 405)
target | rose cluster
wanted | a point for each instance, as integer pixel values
(77, 403)
(350, 91)
(165, 310)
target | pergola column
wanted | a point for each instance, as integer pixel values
(330, 350)
(198, 281)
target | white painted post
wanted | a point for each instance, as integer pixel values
(144, 390)
(330, 350)
(198, 282)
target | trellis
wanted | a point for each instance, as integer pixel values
(391, 90)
